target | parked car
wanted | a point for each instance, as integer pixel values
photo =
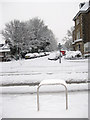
(54, 55)
(42, 54)
(29, 56)
(46, 53)
(73, 55)
(36, 55)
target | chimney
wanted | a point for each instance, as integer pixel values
(82, 4)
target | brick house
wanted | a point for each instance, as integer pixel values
(81, 33)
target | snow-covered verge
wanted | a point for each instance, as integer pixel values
(36, 70)
(43, 89)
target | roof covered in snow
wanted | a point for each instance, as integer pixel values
(83, 9)
(85, 6)
(5, 48)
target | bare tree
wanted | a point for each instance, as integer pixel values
(68, 40)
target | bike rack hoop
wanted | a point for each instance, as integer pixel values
(52, 82)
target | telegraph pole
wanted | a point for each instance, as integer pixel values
(59, 46)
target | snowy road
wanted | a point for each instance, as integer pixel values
(51, 105)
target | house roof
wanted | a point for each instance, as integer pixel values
(84, 9)
(5, 48)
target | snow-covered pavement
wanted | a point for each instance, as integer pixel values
(52, 105)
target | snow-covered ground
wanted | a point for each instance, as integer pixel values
(52, 105)
(35, 70)
(21, 101)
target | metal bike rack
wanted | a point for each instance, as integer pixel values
(51, 83)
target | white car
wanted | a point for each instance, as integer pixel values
(73, 54)
(29, 55)
(36, 55)
(42, 54)
(46, 53)
(54, 55)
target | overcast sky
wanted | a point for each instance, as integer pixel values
(57, 14)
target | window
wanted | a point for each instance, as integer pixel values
(81, 20)
(74, 48)
(78, 34)
(87, 49)
(77, 21)
(79, 47)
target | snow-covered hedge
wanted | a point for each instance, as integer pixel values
(73, 54)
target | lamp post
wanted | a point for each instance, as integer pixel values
(59, 47)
